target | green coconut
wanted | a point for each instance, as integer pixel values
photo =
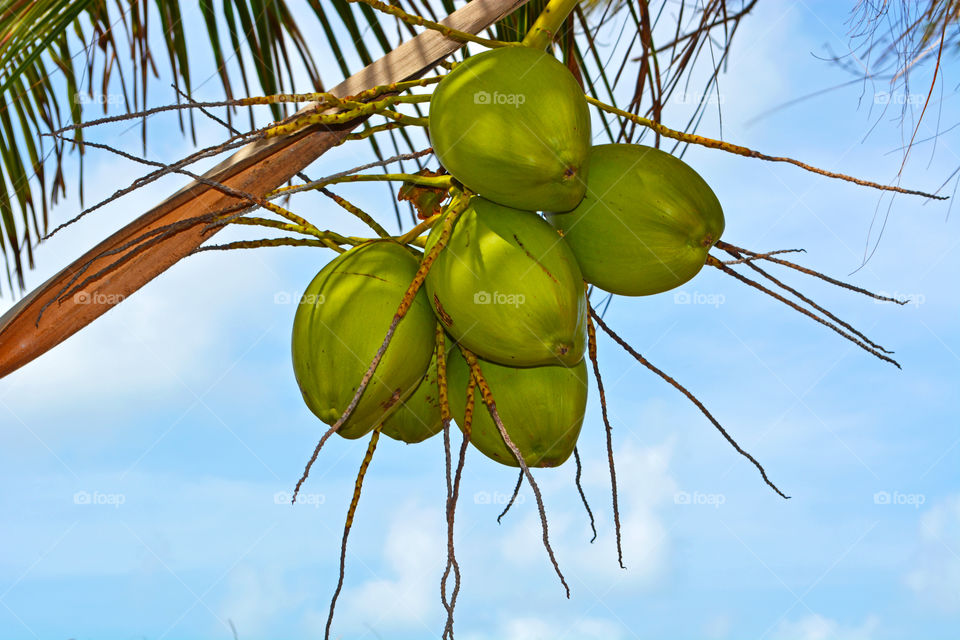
(507, 288)
(512, 124)
(541, 409)
(418, 417)
(340, 324)
(646, 223)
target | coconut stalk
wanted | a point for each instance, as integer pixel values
(256, 168)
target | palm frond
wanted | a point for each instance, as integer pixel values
(59, 58)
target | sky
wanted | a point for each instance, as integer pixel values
(146, 462)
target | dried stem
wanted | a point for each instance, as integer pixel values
(808, 301)
(713, 262)
(583, 496)
(639, 358)
(608, 429)
(358, 212)
(268, 242)
(762, 256)
(488, 400)
(720, 244)
(374, 438)
(692, 138)
(451, 512)
(513, 496)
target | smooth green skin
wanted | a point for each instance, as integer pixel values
(418, 417)
(541, 408)
(646, 223)
(339, 326)
(499, 251)
(530, 156)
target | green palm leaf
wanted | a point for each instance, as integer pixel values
(51, 49)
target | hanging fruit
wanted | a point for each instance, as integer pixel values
(645, 224)
(512, 124)
(541, 409)
(340, 324)
(507, 288)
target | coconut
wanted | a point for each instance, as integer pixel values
(541, 409)
(418, 417)
(646, 223)
(340, 324)
(507, 288)
(512, 124)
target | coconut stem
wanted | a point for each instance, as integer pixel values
(583, 496)
(710, 143)
(488, 400)
(545, 27)
(810, 272)
(513, 496)
(353, 111)
(452, 508)
(436, 182)
(348, 523)
(714, 262)
(358, 212)
(679, 387)
(592, 352)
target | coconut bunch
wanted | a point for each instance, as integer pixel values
(543, 213)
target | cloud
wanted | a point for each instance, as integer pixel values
(533, 628)
(936, 576)
(817, 627)
(405, 594)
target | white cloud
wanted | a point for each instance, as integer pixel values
(533, 628)
(406, 596)
(817, 627)
(255, 598)
(936, 576)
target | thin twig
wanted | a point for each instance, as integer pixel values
(488, 400)
(713, 262)
(513, 496)
(583, 496)
(720, 244)
(639, 358)
(608, 429)
(348, 523)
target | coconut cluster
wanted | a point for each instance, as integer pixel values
(513, 127)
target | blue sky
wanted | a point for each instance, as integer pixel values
(178, 414)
